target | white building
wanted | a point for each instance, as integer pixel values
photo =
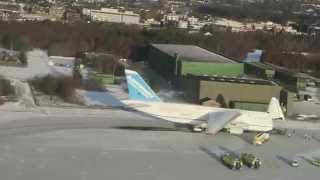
(112, 15)
(192, 20)
(183, 24)
(171, 17)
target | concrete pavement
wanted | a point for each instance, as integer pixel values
(77, 144)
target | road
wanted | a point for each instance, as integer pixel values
(308, 107)
(53, 143)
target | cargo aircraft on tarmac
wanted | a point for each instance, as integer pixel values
(198, 118)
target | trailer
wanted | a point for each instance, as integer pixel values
(251, 160)
(231, 161)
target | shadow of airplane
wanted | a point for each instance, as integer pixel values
(308, 160)
(285, 160)
(169, 127)
(316, 138)
(211, 153)
(229, 151)
(144, 128)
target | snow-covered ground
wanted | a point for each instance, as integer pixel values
(117, 91)
(23, 95)
(95, 98)
(23, 91)
(37, 66)
(60, 70)
(61, 65)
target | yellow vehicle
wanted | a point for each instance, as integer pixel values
(261, 138)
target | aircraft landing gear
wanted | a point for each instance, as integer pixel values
(197, 129)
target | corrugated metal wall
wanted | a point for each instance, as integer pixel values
(162, 63)
(253, 93)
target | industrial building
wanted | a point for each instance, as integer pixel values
(112, 15)
(292, 80)
(240, 93)
(56, 12)
(72, 15)
(260, 70)
(202, 74)
(173, 61)
(6, 15)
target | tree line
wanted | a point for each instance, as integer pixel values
(130, 41)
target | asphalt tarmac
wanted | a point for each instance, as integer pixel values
(123, 145)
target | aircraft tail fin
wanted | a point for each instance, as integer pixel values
(275, 109)
(138, 89)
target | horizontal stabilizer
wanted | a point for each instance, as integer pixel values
(218, 120)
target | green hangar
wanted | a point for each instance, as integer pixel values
(239, 93)
(173, 61)
(202, 74)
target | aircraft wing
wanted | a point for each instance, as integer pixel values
(218, 120)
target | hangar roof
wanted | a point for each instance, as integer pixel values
(242, 80)
(191, 53)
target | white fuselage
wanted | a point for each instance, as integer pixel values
(196, 114)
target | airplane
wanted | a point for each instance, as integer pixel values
(198, 118)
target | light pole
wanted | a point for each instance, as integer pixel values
(122, 61)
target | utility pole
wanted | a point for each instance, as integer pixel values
(176, 68)
(11, 48)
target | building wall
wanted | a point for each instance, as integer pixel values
(101, 16)
(130, 19)
(287, 98)
(291, 82)
(8, 15)
(114, 17)
(190, 87)
(236, 95)
(237, 92)
(256, 71)
(204, 68)
(263, 107)
(162, 63)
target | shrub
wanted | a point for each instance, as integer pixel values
(23, 58)
(63, 87)
(6, 89)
